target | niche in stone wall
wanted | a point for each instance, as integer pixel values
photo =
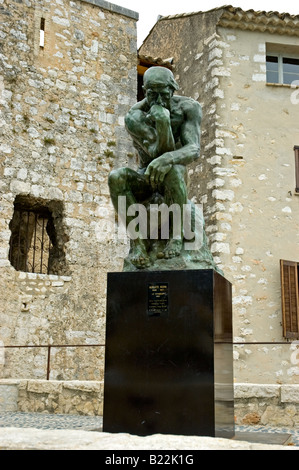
(38, 238)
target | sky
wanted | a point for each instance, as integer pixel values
(149, 10)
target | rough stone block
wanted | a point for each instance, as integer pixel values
(44, 386)
(245, 391)
(8, 398)
(290, 394)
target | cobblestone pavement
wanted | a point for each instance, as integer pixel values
(294, 432)
(50, 421)
(94, 423)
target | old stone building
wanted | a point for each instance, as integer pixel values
(67, 78)
(243, 67)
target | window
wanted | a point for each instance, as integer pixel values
(282, 69)
(42, 33)
(296, 149)
(272, 69)
(290, 298)
(35, 245)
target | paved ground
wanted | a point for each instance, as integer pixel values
(16, 426)
(50, 421)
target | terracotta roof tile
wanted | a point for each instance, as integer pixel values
(232, 17)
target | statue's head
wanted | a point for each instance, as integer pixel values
(159, 85)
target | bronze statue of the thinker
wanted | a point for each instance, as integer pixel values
(165, 129)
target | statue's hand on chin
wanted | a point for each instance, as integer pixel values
(159, 114)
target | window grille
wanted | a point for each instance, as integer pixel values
(30, 243)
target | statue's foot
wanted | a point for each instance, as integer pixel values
(173, 248)
(139, 258)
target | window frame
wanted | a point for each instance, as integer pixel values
(280, 56)
(289, 274)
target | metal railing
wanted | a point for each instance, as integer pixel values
(49, 347)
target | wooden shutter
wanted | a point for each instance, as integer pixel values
(290, 299)
(296, 148)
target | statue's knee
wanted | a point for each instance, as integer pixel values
(117, 179)
(112, 179)
(177, 174)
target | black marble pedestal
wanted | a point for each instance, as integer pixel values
(169, 360)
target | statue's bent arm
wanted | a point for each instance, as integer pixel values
(190, 135)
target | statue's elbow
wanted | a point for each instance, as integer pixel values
(128, 121)
(131, 121)
(196, 151)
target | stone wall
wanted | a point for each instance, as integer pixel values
(255, 404)
(267, 405)
(57, 397)
(62, 132)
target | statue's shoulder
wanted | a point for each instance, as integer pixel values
(140, 106)
(135, 113)
(188, 105)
